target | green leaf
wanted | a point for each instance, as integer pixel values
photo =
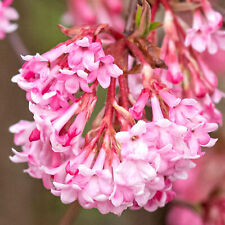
(138, 16)
(154, 26)
(143, 19)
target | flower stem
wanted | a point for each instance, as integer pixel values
(165, 4)
(70, 215)
(109, 102)
(154, 10)
(17, 45)
(179, 27)
(130, 20)
(123, 91)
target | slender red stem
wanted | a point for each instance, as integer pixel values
(126, 83)
(123, 91)
(152, 37)
(179, 27)
(109, 102)
(154, 10)
(165, 4)
(117, 35)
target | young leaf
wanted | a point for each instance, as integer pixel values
(154, 26)
(144, 20)
(138, 16)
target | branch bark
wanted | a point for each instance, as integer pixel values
(70, 215)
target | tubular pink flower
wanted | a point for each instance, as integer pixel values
(137, 110)
(152, 156)
(64, 129)
(169, 53)
(198, 80)
(54, 77)
(43, 163)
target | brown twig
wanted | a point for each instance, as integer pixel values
(70, 214)
(17, 44)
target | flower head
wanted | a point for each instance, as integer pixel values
(143, 139)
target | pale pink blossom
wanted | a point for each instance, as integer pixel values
(54, 77)
(171, 57)
(143, 140)
(43, 162)
(83, 12)
(179, 215)
(65, 126)
(132, 182)
(198, 187)
(198, 81)
(161, 148)
(137, 110)
(106, 71)
(152, 155)
(215, 62)
(205, 33)
(6, 15)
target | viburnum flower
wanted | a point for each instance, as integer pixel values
(6, 15)
(82, 12)
(202, 186)
(37, 152)
(144, 138)
(205, 33)
(188, 68)
(205, 203)
(183, 216)
(215, 62)
(54, 77)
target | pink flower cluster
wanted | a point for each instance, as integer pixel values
(204, 190)
(205, 33)
(56, 76)
(188, 74)
(96, 12)
(6, 15)
(134, 168)
(120, 163)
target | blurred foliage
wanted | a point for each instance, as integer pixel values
(38, 23)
